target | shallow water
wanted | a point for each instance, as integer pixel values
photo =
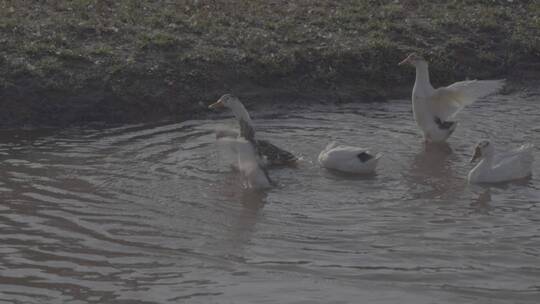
(151, 214)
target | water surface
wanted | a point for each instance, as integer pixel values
(152, 214)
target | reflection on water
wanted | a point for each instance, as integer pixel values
(339, 175)
(431, 162)
(481, 203)
(431, 172)
(153, 214)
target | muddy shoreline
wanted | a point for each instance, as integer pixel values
(76, 63)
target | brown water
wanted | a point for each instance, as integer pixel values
(151, 214)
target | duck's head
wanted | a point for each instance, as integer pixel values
(483, 149)
(413, 59)
(233, 103)
(226, 101)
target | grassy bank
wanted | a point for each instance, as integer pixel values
(65, 62)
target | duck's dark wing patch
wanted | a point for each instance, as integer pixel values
(275, 155)
(246, 130)
(445, 125)
(364, 156)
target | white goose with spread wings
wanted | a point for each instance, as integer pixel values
(434, 108)
(272, 154)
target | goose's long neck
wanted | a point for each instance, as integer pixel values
(484, 164)
(247, 129)
(241, 113)
(422, 75)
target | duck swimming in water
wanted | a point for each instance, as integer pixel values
(348, 159)
(271, 154)
(500, 167)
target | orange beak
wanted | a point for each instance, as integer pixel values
(404, 61)
(216, 105)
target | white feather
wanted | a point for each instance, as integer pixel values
(448, 101)
(433, 108)
(248, 163)
(502, 167)
(345, 158)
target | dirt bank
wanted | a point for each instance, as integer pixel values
(72, 62)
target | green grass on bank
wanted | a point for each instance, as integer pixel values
(67, 61)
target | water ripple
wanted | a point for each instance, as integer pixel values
(152, 214)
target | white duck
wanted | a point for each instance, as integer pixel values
(249, 165)
(433, 108)
(271, 153)
(496, 168)
(348, 159)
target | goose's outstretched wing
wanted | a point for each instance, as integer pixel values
(446, 102)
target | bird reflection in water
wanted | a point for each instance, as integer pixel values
(430, 174)
(432, 161)
(240, 217)
(481, 203)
